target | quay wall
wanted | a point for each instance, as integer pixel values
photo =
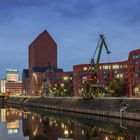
(110, 107)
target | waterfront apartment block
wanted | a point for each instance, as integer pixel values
(127, 72)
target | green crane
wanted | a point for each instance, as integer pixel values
(93, 70)
(94, 66)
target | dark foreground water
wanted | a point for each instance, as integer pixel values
(34, 124)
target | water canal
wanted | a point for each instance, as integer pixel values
(32, 124)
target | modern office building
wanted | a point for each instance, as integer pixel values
(12, 75)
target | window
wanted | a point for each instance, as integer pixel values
(85, 68)
(106, 67)
(124, 66)
(136, 56)
(115, 66)
(137, 75)
(114, 71)
(119, 75)
(135, 62)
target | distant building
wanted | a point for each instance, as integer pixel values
(12, 75)
(2, 86)
(14, 88)
(11, 85)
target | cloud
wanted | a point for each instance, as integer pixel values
(75, 25)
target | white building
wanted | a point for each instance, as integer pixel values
(2, 86)
(12, 75)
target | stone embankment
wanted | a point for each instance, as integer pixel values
(110, 107)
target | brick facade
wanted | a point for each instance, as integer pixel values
(43, 50)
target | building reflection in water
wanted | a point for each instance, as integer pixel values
(48, 128)
(42, 127)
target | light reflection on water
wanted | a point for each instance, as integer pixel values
(24, 125)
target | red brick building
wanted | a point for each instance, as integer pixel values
(45, 79)
(134, 73)
(42, 52)
(14, 88)
(128, 73)
(58, 82)
(43, 56)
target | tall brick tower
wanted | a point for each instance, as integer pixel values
(43, 50)
(42, 53)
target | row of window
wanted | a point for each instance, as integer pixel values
(135, 69)
(136, 56)
(135, 62)
(106, 67)
(113, 76)
(113, 71)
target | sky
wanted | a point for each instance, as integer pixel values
(75, 25)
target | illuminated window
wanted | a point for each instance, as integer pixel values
(106, 67)
(66, 77)
(115, 66)
(85, 68)
(119, 75)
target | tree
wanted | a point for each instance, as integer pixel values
(115, 88)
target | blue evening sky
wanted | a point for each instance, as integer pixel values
(74, 24)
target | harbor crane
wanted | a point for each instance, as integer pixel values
(93, 82)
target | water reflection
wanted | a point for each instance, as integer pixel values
(31, 126)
